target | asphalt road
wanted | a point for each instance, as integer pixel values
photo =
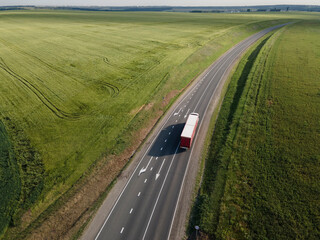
(146, 207)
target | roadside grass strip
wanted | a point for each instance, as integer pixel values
(261, 179)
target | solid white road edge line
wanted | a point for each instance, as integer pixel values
(205, 90)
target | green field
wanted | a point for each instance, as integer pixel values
(72, 86)
(261, 179)
(9, 179)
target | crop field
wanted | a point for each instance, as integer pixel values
(74, 87)
(261, 179)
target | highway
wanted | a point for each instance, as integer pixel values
(147, 205)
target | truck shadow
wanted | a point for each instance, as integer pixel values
(169, 147)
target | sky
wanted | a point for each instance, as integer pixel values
(156, 2)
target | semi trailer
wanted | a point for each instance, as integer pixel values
(189, 130)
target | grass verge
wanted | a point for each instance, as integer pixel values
(214, 176)
(9, 180)
(260, 177)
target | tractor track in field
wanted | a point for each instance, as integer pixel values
(32, 56)
(114, 89)
(41, 96)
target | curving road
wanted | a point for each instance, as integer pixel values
(147, 205)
